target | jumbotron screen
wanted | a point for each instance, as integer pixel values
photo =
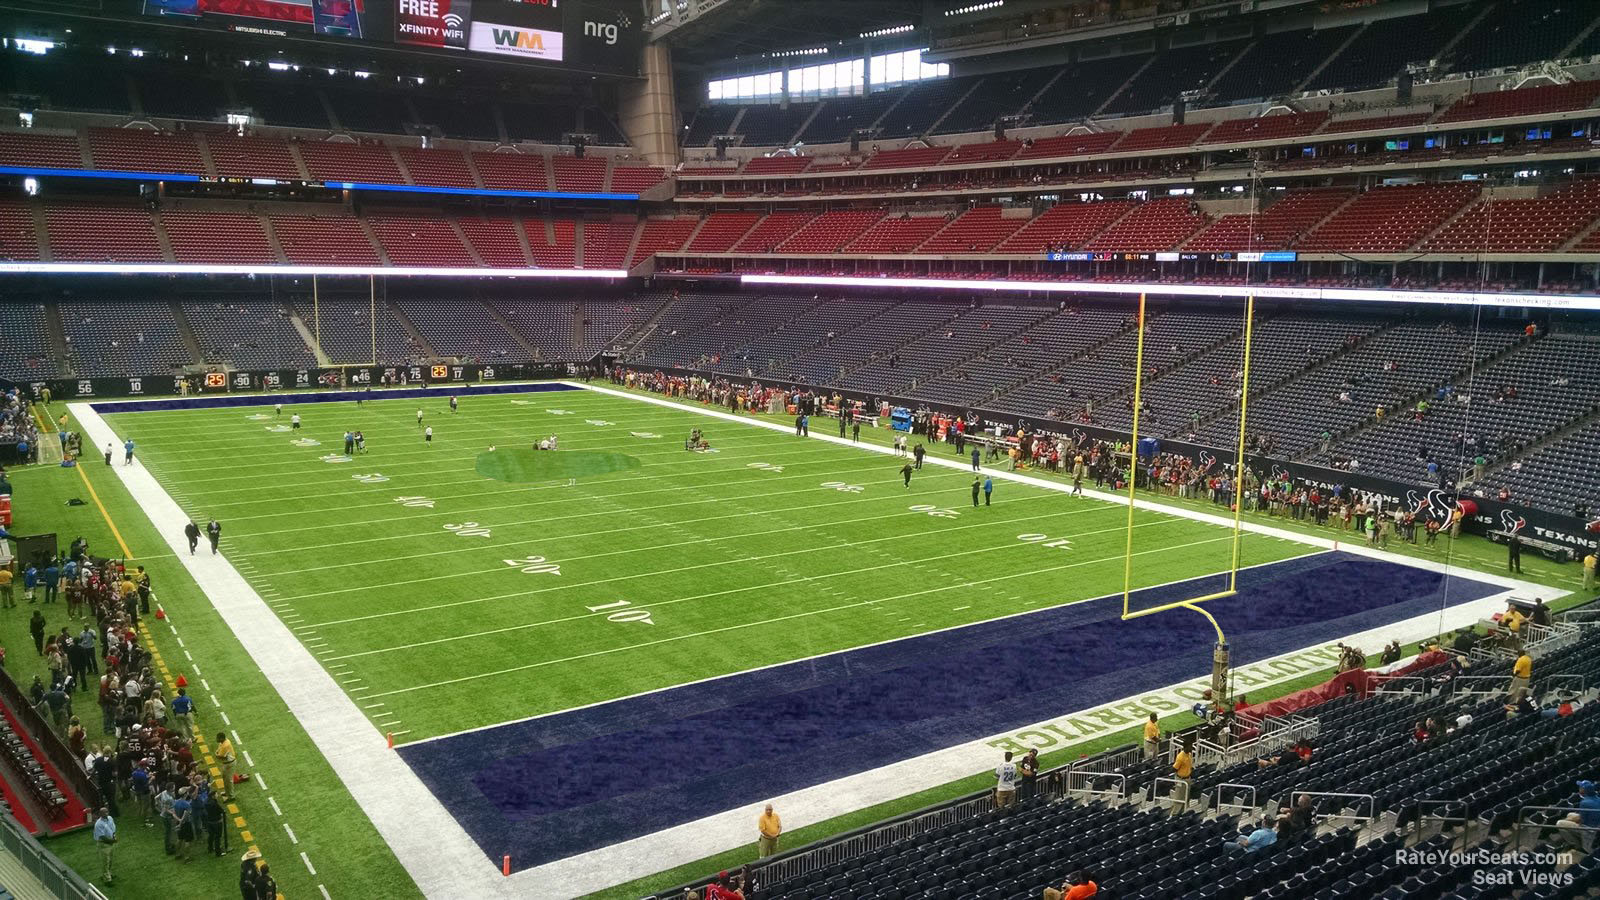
(573, 33)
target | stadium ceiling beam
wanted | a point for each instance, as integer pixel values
(680, 15)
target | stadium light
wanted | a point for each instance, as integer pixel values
(30, 186)
(1468, 298)
(50, 268)
(885, 32)
(37, 48)
(976, 7)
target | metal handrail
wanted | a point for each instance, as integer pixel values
(1402, 684)
(1155, 795)
(1372, 804)
(1082, 784)
(1216, 798)
(1522, 822)
(1423, 815)
(59, 879)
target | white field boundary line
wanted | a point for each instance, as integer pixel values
(434, 849)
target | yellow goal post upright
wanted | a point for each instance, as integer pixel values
(1219, 656)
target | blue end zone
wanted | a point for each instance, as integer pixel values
(225, 400)
(566, 783)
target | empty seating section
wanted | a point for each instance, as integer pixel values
(342, 161)
(122, 337)
(495, 239)
(133, 150)
(1175, 71)
(777, 165)
(1523, 102)
(636, 179)
(1390, 219)
(1026, 354)
(1002, 94)
(289, 104)
(369, 109)
(252, 156)
(831, 232)
(217, 237)
(1544, 478)
(346, 330)
(25, 342)
(436, 168)
(417, 241)
(907, 158)
(512, 171)
(876, 337)
(1276, 63)
(605, 244)
(1521, 31)
(840, 118)
(472, 121)
(1374, 123)
(1083, 144)
(548, 325)
(922, 106)
(323, 240)
(662, 235)
(1525, 225)
(773, 125)
(1514, 401)
(898, 234)
(1265, 128)
(465, 329)
(1064, 225)
(1273, 228)
(990, 151)
(249, 334)
(102, 234)
(86, 80)
(545, 123)
(1386, 368)
(1083, 88)
(1157, 225)
(686, 315)
(1383, 48)
(187, 92)
(18, 239)
(733, 328)
(767, 351)
(53, 151)
(940, 350)
(709, 122)
(604, 324)
(722, 230)
(573, 174)
(977, 230)
(1165, 137)
(553, 242)
(772, 231)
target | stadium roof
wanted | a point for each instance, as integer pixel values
(708, 32)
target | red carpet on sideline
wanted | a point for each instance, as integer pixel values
(76, 815)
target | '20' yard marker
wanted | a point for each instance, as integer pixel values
(534, 565)
(765, 467)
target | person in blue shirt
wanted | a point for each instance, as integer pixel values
(127, 452)
(1263, 836)
(139, 783)
(183, 710)
(975, 458)
(1588, 804)
(30, 580)
(183, 824)
(988, 489)
(105, 837)
(52, 580)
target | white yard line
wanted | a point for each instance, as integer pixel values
(446, 863)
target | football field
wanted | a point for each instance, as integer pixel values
(475, 580)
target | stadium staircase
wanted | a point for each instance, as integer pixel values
(411, 329)
(909, 338)
(1316, 70)
(372, 238)
(162, 238)
(577, 244)
(185, 332)
(57, 332)
(305, 334)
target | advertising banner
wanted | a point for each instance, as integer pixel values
(531, 31)
(433, 23)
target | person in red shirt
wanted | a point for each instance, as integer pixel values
(721, 889)
(1078, 886)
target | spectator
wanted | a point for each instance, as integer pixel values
(1589, 804)
(768, 827)
(249, 873)
(1570, 833)
(1264, 835)
(1005, 790)
(1078, 886)
(1028, 769)
(723, 888)
(105, 837)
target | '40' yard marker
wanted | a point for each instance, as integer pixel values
(336, 458)
(1058, 543)
(935, 511)
(306, 442)
(559, 412)
(841, 486)
(624, 615)
(765, 467)
(279, 428)
(534, 565)
(468, 529)
(599, 422)
(258, 417)
(644, 434)
(374, 478)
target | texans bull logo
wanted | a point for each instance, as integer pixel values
(1207, 460)
(1279, 473)
(1079, 437)
(1511, 522)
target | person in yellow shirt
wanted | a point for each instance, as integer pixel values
(1182, 768)
(1152, 737)
(769, 827)
(226, 758)
(1588, 572)
(1521, 674)
(8, 599)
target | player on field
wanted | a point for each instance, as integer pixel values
(361, 442)
(349, 442)
(427, 435)
(452, 404)
(905, 472)
(278, 408)
(294, 421)
(419, 417)
(977, 485)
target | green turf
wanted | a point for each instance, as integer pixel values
(350, 858)
(497, 601)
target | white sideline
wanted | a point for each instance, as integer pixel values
(446, 863)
